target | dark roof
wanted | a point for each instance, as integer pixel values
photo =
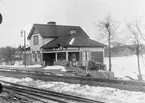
(63, 37)
(85, 42)
(78, 41)
(22, 49)
(57, 42)
(47, 31)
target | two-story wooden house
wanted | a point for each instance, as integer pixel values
(50, 43)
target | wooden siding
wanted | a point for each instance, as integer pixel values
(97, 56)
(40, 43)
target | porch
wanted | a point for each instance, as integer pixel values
(74, 57)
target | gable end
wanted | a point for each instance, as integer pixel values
(33, 30)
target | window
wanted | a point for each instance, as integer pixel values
(35, 40)
(73, 31)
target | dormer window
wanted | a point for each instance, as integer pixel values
(73, 31)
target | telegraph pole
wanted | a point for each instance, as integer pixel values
(24, 32)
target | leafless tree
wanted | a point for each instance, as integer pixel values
(8, 54)
(134, 42)
(108, 28)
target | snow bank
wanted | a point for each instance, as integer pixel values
(105, 94)
(61, 68)
(34, 65)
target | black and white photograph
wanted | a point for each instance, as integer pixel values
(72, 51)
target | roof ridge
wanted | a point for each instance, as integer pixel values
(57, 25)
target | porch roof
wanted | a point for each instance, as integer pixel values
(57, 42)
(78, 41)
(22, 49)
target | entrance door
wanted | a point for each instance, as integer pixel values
(73, 57)
(49, 58)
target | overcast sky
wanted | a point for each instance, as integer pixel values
(22, 14)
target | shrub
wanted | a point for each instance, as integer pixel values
(92, 65)
(88, 75)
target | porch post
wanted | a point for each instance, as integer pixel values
(56, 56)
(66, 56)
(103, 54)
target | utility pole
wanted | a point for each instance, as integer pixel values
(107, 26)
(24, 32)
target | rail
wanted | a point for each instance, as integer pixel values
(43, 95)
(120, 84)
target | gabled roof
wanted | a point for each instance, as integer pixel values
(72, 41)
(47, 31)
(21, 49)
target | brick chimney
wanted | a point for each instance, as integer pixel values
(51, 23)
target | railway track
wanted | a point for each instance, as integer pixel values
(46, 76)
(44, 96)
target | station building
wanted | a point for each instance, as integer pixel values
(50, 43)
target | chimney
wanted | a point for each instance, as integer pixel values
(51, 23)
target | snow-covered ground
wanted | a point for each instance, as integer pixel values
(18, 64)
(121, 66)
(105, 94)
(126, 66)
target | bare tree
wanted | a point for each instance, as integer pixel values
(108, 27)
(135, 42)
(8, 54)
